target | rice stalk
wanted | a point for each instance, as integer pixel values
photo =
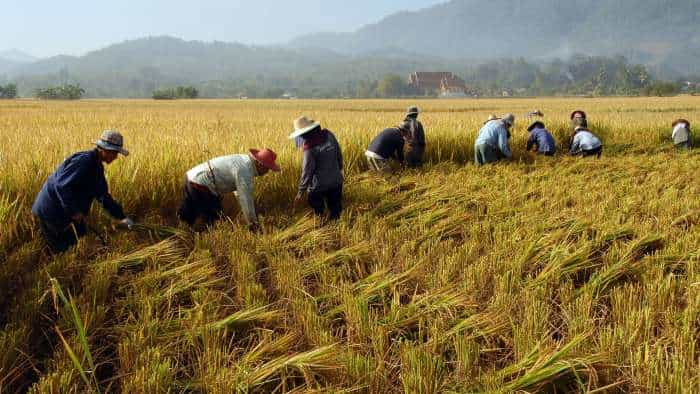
(81, 332)
(247, 317)
(323, 359)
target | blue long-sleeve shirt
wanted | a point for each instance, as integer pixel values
(70, 190)
(495, 134)
(543, 139)
(584, 140)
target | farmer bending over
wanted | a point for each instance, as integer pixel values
(64, 201)
(322, 168)
(388, 144)
(206, 183)
(492, 143)
(585, 143)
(542, 139)
(682, 138)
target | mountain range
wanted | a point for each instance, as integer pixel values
(662, 34)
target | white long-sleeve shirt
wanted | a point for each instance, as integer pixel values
(680, 133)
(584, 140)
(230, 173)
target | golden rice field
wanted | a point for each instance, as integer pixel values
(537, 275)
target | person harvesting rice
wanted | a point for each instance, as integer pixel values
(206, 183)
(62, 205)
(492, 143)
(322, 168)
(681, 135)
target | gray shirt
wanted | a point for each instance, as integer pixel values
(322, 166)
(227, 174)
(584, 140)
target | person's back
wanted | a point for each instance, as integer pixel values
(681, 134)
(328, 164)
(543, 139)
(586, 143)
(389, 143)
(220, 174)
(494, 134)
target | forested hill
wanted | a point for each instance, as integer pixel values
(662, 33)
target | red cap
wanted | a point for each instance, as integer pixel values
(266, 157)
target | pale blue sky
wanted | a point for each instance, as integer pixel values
(50, 27)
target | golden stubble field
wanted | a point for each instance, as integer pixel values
(536, 275)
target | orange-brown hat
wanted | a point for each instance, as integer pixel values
(678, 121)
(266, 157)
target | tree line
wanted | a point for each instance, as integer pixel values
(580, 75)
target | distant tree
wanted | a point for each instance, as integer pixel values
(391, 85)
(8, 91)
(662, 88)
(63, 92)
(180, 92)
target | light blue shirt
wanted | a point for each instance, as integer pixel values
(495, 134)
(584, 140)
(230, 173)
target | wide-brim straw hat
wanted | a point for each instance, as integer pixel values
(112, 141)
(535, 124)
(302, 126)
(679, 121)
(266, 157)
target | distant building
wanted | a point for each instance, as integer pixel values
(445, 84)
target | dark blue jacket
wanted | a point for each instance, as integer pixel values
(71, 189)
(543, 139)
(388, 144)
(322, 167)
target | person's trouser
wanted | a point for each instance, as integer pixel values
(333, 198)
(61, 238)
(593, 152)
(414, 156)
(683, 145)
(484, 154)
(196, 203)
(549, 154)
(379, 165)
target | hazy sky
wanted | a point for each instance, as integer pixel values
(50, 27)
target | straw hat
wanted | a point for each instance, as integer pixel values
(302, 126)
(679, 121)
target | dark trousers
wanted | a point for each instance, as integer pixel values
(197, 202)
(332, 197)
(414, 156)
(61, 238)
(593, 152)
(485, 153)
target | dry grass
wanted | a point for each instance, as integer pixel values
(541, 274)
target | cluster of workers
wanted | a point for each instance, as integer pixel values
(64, 201)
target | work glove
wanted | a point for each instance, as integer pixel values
(128, 223)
